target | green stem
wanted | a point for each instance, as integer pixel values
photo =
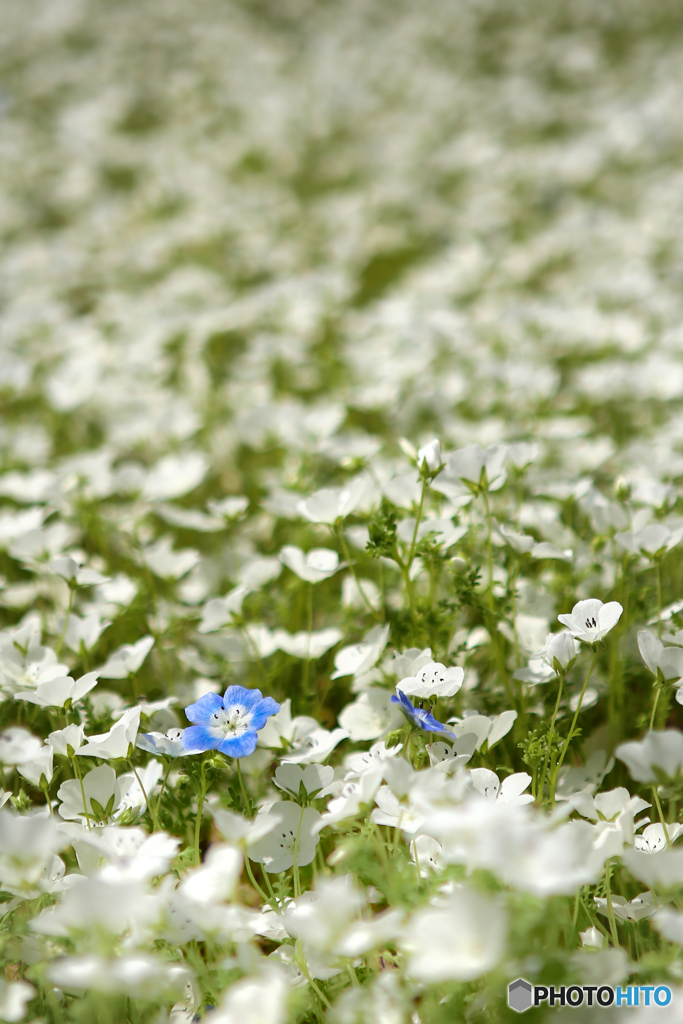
(570, 736)
(610, 909)
(658, 690)
(660, 812)
(489, 546)
(58, 648)
(245, 796)
(418, 520)
(347, 556)
(309, 625)
(255, 884)
(198, 823)
(659, 597)
(77, 770)
(295, 866)
(163, 786)
(152, 812)
(541, 781)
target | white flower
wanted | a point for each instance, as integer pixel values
(591, 620)
(314, 778)
(663, 662)
(659, 753)
(354, 795)
(390, 811)
(167, 563)
(104, 794)
(426, 853)
(470, 468)
(652, 540)
(370, 715)
(137, 975)
(41, 765)
(639, 907)
(127, 659)
(169, 743)
(664, 870)
(175, 475)
(86, 631)
(358, 658)
(669, 923)
(122, 854)
(430, 456)
(17, 745)
(510, 792)
(71, 736)
(333, 503)
(462, 939)
(14, 995)
(307, 645)
(56, 692)
(293, 826)
(433, 680)
(320, 917)
(27, 845)
(217, 877)
(316, 565)
(592, 938)
(117, 741)
(560, 651)
(71, 571)
(491, 730)
(315, 746)
(452, 756)
(653, 838)
(261, 999)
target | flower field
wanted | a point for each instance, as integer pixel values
(341, 514)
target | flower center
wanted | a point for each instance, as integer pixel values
(229, 723)
(591, 623)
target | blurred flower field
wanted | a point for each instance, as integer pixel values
(341, 516)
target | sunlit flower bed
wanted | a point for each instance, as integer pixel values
(341, 521)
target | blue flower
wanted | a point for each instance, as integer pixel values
(228, 723)
(419, 717)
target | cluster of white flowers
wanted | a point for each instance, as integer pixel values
(306, 714)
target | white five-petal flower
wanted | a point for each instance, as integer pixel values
(591, 620)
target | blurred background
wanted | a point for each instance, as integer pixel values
(278, 231)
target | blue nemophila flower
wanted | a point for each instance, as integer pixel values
(419, 717)
(228, 723)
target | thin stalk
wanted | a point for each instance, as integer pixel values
(198, 823)
(658, 568)
(345, 551)
(660, 812)
(295, 866)
(418, 520)
(163, 786)
(309, 626)
(58, 648)
(300, 959)
(152, 812)
(541, 780)
(255, 884)
(658, 690)
(245, 796)
(570, 736)
(489, 545)
(80, 779)
(610, 909)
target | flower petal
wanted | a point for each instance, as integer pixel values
(239, 746)
(201, 712)
(197, 739)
